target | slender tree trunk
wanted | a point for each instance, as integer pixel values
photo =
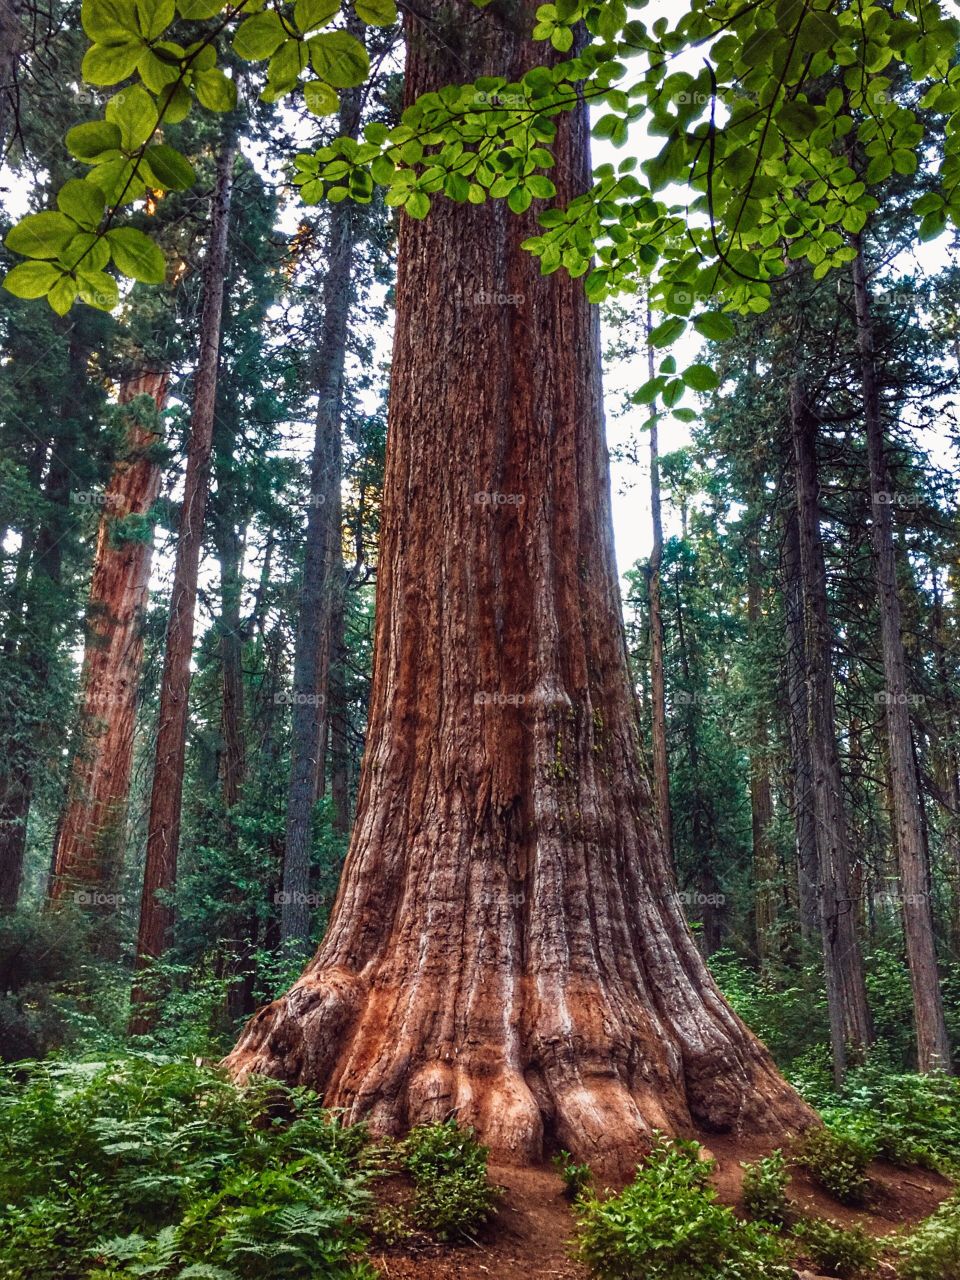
(89, 840)
(850, 1028)
(506, 944)
(163, 834)
(933, 1045)
(11, 45)
(761, 793)
(311, 662)
(658, 697)
(808, 861)
(338, 709)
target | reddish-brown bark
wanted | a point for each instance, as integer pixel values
(163, 835)
(658, 698)
(87, 847)
(507, 942)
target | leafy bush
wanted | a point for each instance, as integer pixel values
(667, 1225)
(908, 1119)
(932, 1250)
(765, 1188)
(837, 1162)
(846, 1252)
(576, 1177)
(453, 1196)
(141, 1166)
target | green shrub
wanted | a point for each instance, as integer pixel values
(932, 1250)
(909, 1119)
(765, 1188)
(576, 1177)
(667, 1225)
(141, 1166)
(453, 1196)
(837, 1162)
(846, 1252)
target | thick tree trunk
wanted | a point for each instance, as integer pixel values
(808, 864)
(507, 943)
(88, 845)
(658, 697)
(163, 834)
(850, 1027)
(312, 657)
(933, 1045)
(338, 710)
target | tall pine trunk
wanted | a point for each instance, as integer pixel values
(933, 1045)
(89, 839)
(507, 943)
(658, 697)
(761, 792)
(312, 654)
(850, 1027)
(163, 833)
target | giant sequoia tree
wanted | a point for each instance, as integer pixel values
(507, 941)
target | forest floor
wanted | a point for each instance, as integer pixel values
(530, 1237)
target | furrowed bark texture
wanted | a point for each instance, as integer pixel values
(850, 1026)
(163, 835)
(933, 1044)
(88, 839)
(658, 697)
(507, 943)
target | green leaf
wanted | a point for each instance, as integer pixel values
(417, 204)
(320, 98)
(134, 113)
(797, 119)
(158, 72)
(108, 20)
(339, 59)
(155, 16)
(673, 392)
(170, 168)
(667, 332)
(519, 199)
(62, 294)
(376, 13)
(41, 235)
(714, 326)
(215, 91)
(110, 63)
(97, 289)
(136, 255)
(87, 248)
(260, 36)
(700, 377)
(310, 14)
(89, 141)
(31, 279)
(197, 10)
(82, 202)
(174, 103)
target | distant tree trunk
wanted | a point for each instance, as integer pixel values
(808, 868)
(761, 793)
(39, 572)
(338, 709)
(163, 834)
(11, 44)
(89, 839)
(658, 697)
(850, 1027)
(312, 656)
(506, 944)
(933, 1045)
